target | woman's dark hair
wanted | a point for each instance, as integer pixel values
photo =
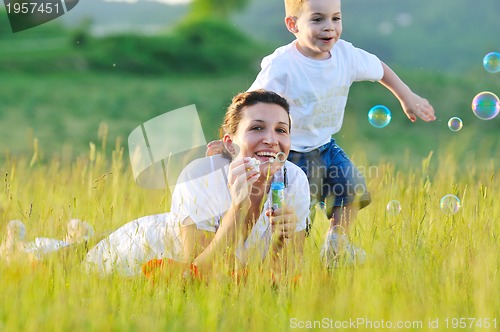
(249, 98)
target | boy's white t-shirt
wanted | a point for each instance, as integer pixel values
(317, 90)
(203, 197)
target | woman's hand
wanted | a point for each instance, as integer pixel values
(283, 222)
(242, 175)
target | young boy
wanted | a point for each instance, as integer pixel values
(314, 73)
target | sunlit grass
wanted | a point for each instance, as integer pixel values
(422, 264)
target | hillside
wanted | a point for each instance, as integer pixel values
(111, 17)
(437, 54)
(446, 35)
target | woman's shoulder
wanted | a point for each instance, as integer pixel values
(203, 167)
(294, 172)
(292, 166)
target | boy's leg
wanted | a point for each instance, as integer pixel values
(344, 193)
(344, 189)
(343, 215)
(334, 180)
(313, 167)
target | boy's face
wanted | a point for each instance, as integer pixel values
(317, 28)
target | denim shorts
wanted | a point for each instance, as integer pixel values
(332, 176)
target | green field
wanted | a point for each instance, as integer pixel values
(423, 266)
(64, 112)
(63, 139)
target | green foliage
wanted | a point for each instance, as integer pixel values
(198, 46)
(64, 111)
(52, 29)
(201, 46)
(42, 49)
(216, 8)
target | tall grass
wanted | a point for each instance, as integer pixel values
(422, 266)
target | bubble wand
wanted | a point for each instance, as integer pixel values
(278, 186)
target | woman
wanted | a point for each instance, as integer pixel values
(220, 205)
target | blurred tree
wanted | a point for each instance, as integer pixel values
(218, 8)
(81, 33)
(4, 23)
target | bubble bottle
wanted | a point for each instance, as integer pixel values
(278, 189)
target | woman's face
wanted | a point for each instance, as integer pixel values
(263, 132)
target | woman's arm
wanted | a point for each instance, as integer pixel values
(288, 255)
(287, 245)
(194, 241)
(203, 248)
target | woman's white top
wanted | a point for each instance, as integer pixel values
(201, 197)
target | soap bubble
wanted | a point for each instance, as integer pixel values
(379, 116)
(486, 105)
(491, 62)
(455, 124)
(449, 204)
(393, 207)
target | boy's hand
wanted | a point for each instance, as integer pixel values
(415, 106)
(214, 147)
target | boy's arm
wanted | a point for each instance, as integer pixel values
(413, 105)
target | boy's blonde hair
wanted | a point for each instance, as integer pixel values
(293, 7)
